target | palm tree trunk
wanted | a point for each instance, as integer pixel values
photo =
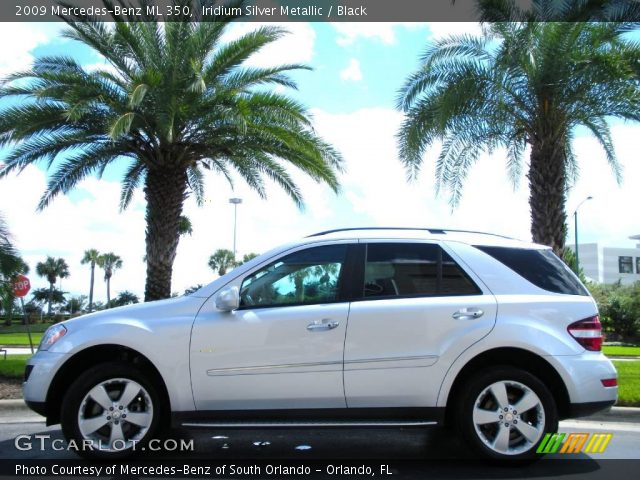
(108, 292)
(9, 309)
(50, 298)
(548, 180)
(93, 270)
(165, 191)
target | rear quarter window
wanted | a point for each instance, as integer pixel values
(540, 267)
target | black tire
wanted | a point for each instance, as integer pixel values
(114, 378)
(523, 438)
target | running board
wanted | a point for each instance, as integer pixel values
(311, 424)
(311, 418)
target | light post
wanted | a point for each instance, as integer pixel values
(235, 202)
(575, 231)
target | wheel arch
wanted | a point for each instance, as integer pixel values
(514, 357)
(89, 357)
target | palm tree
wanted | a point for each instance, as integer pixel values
(51, 296)
(125, 298)
(247, 257)
(179, 102)
(109, 262)
(91, 257)
(9, 259)
(10, 265)
(221, 261)
(75, 304)
(184, 226)
(521, 85)
(192, 289)
(52, 269)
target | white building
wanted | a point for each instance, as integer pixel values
(610, 264)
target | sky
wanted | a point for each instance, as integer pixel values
(357, 71)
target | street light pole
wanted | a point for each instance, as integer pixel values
(235, 202)
(575, 231)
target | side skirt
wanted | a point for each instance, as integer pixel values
(310, 418)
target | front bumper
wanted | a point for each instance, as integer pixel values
(39, 407)
(42, 367)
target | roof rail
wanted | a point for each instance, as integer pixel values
(434, 231)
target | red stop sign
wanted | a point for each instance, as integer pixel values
(21, 286)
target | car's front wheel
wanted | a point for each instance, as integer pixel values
(505, 413)
(110, 411)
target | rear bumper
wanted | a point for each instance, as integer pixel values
(589, 408)
(582, 375)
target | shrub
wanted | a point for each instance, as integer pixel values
(619, 307)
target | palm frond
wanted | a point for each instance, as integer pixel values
(524, 83)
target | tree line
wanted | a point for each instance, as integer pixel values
(54, 270)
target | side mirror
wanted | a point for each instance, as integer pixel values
(228, 299)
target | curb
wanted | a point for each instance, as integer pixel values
(16, 411)
(615, 414)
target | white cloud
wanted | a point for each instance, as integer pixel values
(103, 66)
(377, 192)
(22, 38)
(610, 218)
(352, 71)
(385, 32)
(294, 47)
(67, 228)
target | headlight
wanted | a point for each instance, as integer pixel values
(51, 336)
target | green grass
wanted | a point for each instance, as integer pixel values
(13, 366)
(16, 334)
(621, 351)
(19, 339)
(628, 383)
(19, 328)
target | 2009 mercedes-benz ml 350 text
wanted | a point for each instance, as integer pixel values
(354, 327)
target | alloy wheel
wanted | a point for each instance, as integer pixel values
(508, 417)
(115, 414)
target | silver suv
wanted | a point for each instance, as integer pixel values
(354, 327)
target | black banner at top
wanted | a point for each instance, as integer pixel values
(320, 10)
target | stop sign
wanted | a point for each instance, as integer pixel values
(21, 286)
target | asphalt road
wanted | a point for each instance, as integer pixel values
(410, 453)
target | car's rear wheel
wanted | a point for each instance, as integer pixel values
(110, 411)
(505, 413)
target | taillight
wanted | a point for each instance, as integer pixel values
(588, 333)
(609, 382)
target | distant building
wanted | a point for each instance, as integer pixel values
(610, 264)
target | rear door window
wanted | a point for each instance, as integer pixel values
(541, 267)
(413, 269)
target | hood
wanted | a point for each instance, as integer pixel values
(148, 311)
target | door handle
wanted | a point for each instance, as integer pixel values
(322, 325)
(468, 314)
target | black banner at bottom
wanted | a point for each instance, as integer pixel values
(570, 468)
